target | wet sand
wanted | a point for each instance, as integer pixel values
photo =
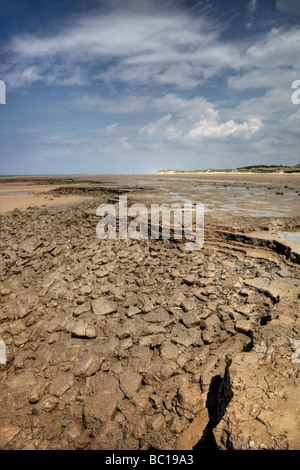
(28, 195)
(222, 193)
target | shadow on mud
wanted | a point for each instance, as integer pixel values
(218, 398)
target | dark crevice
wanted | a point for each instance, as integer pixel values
(264, 320)
(248, 346)
(218, 397)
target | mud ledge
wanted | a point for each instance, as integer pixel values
(288, 249)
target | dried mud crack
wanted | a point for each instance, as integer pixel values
(141, 344)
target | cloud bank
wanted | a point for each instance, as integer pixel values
(175, 72)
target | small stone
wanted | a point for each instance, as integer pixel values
(55, 324)
(102, 272)
(190, 401)
(158, 315)
(189, 280)
(244, 326)
(295, 345)
(104, 306)
(189, 337)
(191, 319)
(209, 335)
(131, 300)
(73, 430)
(133, 311)
(53, 338)
(21, 339)
(130, 383)
(16, 327)
(83, 440)
(245, 309)
(108, 437)
(176, 299)
(5, 291)
(85, 290)
(82, 328)
(178, 424)
(157, 422)
(153, 329)
(22, 382)
(36, 392)
(169, 351)
(82, 308)
(49, 403)
(88, 365)
(100, 408)
(61, 384)
(131, 327)
(147, 306)
(7, 434)
(187, 304)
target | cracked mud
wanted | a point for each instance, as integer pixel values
(141, 344)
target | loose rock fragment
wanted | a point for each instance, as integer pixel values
(104, 306)
(61, 384)
(88, 365)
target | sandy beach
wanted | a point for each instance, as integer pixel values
(20, 196)
(244, 176)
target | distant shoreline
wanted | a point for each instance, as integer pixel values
(233, 172)
(248, 170)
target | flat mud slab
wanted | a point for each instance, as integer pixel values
(142, 344)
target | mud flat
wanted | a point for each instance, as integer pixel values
(141, 344)
(22, 195)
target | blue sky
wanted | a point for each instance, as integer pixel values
(137, 86)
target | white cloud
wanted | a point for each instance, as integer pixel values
(146, 47)
(111, 129)
(275, 105)
(252, 6)
(156, 127)
(188, 120)
(143, 48)
(205, 128)
(188, 109)
(124, 141)
(262, 78)
(190, 129)
(125, 104)
(64, 138)
(158, 57)
(280, 48)
(154, 48)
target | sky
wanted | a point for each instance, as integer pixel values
(136, 86)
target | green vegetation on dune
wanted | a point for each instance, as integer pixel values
(244, 169)
(271, 168)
